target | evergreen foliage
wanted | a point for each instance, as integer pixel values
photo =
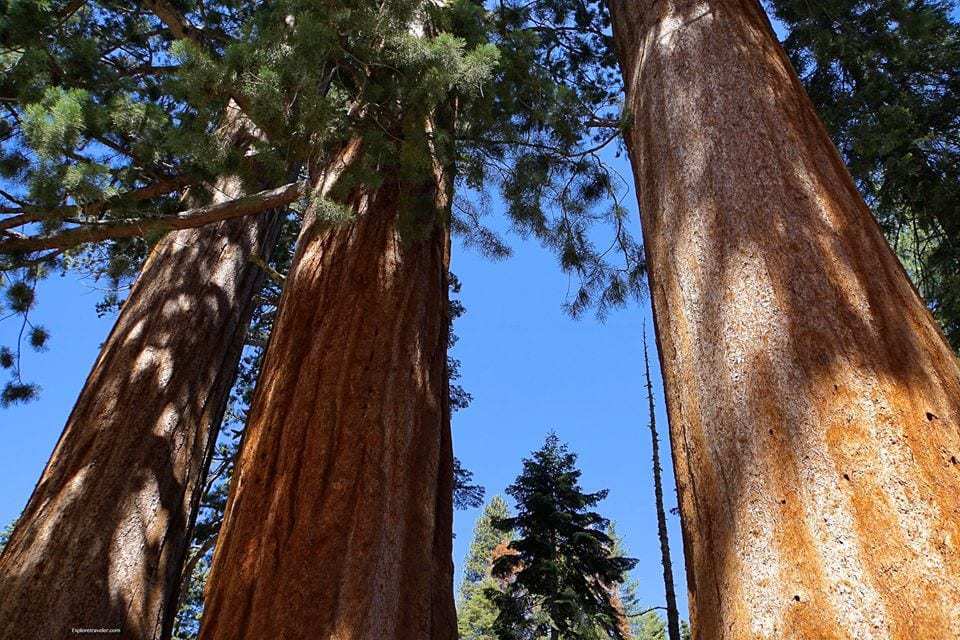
(650, 626)
(103, 100)
(5, 535)
(537, 135)
(466, 494)
(111, 112)
(629, 601)
(562, 561)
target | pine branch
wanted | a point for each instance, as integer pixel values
(181, 28)
(148, 192)
(191, 218)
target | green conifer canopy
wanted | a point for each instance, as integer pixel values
(113, 114)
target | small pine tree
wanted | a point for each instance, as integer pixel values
(563, 563)
(476, 611)
(649, 626)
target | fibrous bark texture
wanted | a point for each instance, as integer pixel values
(101, 542)
(339, 522)
(813, 402)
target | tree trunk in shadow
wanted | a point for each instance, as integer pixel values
(813, 401)
(339, 522)
(101, 542)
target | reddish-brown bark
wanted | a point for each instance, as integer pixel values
(339, 522)
(813, 401)
(102, 540)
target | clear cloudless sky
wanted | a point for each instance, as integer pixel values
(532, 369)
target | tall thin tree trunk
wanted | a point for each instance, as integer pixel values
(101, 542)
(813, 401)
(673, 618)
(339, 521)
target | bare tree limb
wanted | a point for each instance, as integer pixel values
(178, 24)
(272, 273)
(131, 228)
(72, 7)
(190, 565)
(645, 612)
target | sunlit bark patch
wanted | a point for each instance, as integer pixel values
(115, 500)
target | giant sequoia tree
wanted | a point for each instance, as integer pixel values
(812, 398)
(114, 505)
(360, 414)
(115, 502)
(366, 364)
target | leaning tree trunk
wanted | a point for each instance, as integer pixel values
(101, 542)
(339, 521)
(813, 401)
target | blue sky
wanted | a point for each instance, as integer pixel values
(532, 369)
(529, 367)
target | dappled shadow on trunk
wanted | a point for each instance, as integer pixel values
(102, 539)
(813, 401)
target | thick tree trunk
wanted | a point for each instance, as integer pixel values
(101, 542)
(813, 401)
(670, 594)
(339, 522)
